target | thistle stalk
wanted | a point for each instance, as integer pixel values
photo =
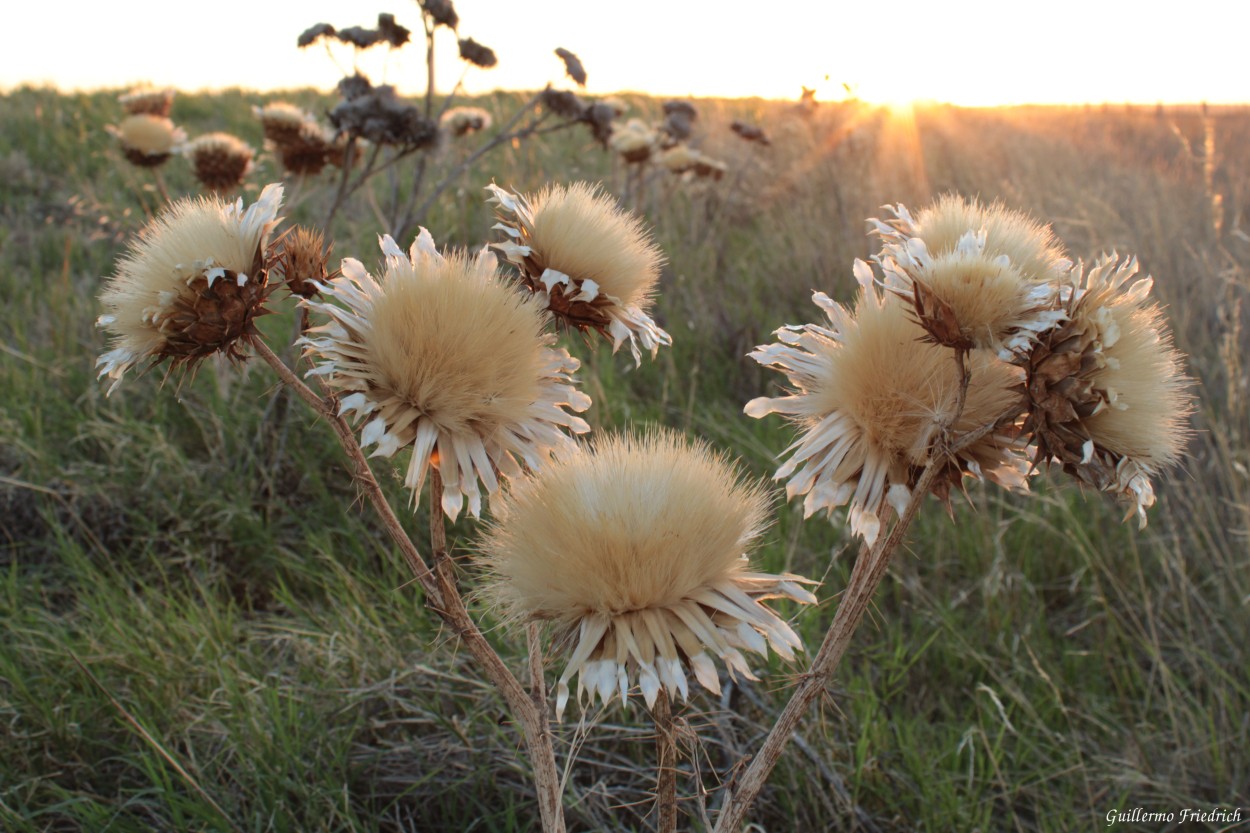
(443, 598)
(666, 765)
(870, 568)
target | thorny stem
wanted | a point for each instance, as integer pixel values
(866, 575)
(444, 600)
(665, 765)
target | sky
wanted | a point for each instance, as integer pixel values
(967, 52)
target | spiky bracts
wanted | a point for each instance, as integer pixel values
(442, 357)
(871, 396)
(976, 276)
(592, 261)
(1109, 401)
(635, 552)
(191, 284)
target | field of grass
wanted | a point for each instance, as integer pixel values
(206, 629)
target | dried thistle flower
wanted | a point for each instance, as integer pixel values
(749, 132)
(392, 32)
(871, 398)
(975, 275)
(146, 140)
(635, 142)
(442, 12)
(359, 36)
(572, 66)
(461, 121)
(600, 117)
(281, 122)
(592, 261)
(191, 284)
(1108, 398)
(377, 114)
(147, 101)
(563, 103)
(442, 356)
(310, 151)
(679, 119)
(681, 159)
(477, 54)
(636, 553)
(303, 261)
(315, 33)
(221, 161)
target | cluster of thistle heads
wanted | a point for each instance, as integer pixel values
(634, 547)
(148, 138)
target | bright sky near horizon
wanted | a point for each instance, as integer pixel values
(969, 52)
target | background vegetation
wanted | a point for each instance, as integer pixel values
(189, 560)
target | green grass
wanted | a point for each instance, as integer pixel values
(1029, 667)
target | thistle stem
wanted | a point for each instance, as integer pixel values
(866, 575)
(443, 598)
(666, 765)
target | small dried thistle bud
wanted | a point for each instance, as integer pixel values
(749, 132)
(392, 32)
(635, 142)
(477, 54)
(221, 161)
(461, 121)
(573, 66)
(281, 122)
(599, 117)
(359, 36)
(315, 33)
(146, 101)
(678, 121)
(147, 141)
(304, 261)
(563, 103)
(355, 86)
(442, 12)
(683, 159)
(310, 151)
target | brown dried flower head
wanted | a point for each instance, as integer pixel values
(593, 262)
(749, 132)
(391, 32)
(442, 12)
(146, 140)
(303, 261)
(563, 103)
(191, 284)
(683, 159)
(148, 101)
(1108, 397)
(477, 54)
(281, 122)
(635, 142)
(462, 121)
(443, 357)
(221, 161)
(871, 397)
(635, 552)
(975, 275)
(572, 66)
(315, 33)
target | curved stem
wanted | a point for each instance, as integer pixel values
(443, 598)
(866, 575)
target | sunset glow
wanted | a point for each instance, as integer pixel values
(969, 53)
